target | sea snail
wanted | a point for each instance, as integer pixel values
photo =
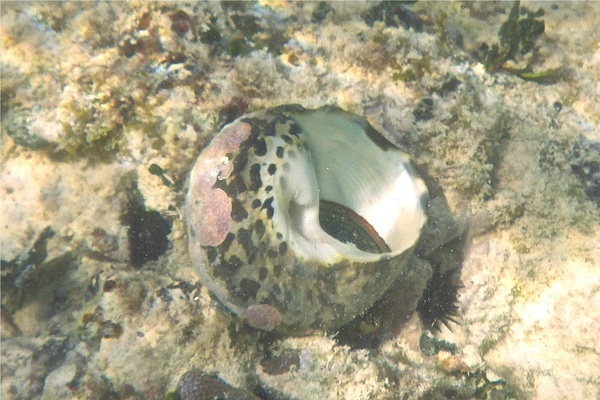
(299, 219)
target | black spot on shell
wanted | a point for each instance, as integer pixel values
(256, 203)
(257, 127)
(244, 239)
(234, 263)
(268, 207)
(279, 152)
(277, 269)
(248, 289)
(283, 248)
(269, 131)
(235, 186)
(287, 139)
(271, 128)
(279, 235)
(212, 254)
(259, 228)
(239, 163)
(220, 184)
(224, 246)
(272, 169)
(268, 188)
(238, 212)
(295, 129)
(252, 257)
(228, 268)
(262, 273)
(255, 181)
(275, 289)
(260, 147)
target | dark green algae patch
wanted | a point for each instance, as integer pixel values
(517, 37)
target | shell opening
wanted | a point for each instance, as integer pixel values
(345, 225)
(369, 195)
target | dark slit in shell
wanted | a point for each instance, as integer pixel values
(347, 226)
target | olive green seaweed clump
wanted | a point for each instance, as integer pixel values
(517, 38)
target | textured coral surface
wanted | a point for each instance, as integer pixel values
(105, 107)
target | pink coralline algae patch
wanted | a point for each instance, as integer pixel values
(210, 209)
(262, 316)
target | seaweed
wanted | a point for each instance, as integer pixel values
(238, 32)
(156, 170)
(96, 126)
(424, 110)
(32, 277)
(394, 13)
(148, 231)
(517, 37)
(413, 69)
(320, 12)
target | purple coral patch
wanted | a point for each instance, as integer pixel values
(262, 316)
(210, 208)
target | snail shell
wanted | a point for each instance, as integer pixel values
(301, 219)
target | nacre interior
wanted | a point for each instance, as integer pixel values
(301, 219)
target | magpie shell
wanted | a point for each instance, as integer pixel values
(299, 219)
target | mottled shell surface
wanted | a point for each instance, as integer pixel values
(301, 219)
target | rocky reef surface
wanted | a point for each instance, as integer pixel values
(105, 107)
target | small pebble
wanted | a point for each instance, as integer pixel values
(196, 385)
(281, 364)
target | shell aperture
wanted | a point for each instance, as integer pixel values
(343, 224)
(303, 216)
